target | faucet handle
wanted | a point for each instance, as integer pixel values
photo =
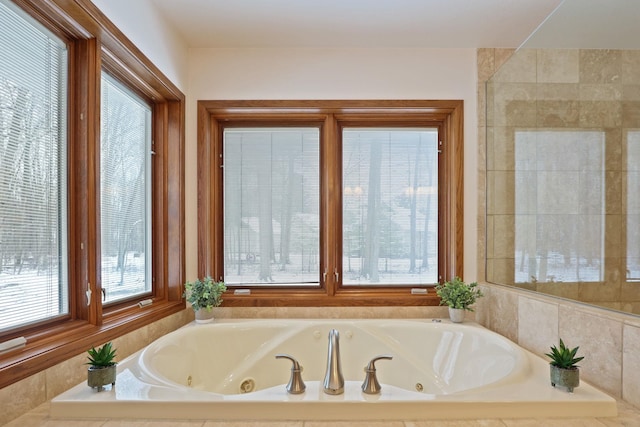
(296, 384)
(371, 384)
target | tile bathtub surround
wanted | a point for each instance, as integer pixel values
(610, 341)
(23, 396)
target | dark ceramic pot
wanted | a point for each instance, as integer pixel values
(569, 378)
(100, 376)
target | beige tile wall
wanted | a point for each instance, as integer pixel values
(609, 340)
(27, 394)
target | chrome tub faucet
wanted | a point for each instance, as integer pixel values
(333, 379)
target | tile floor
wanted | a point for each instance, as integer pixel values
(628, 416)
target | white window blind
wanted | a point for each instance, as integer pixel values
(125, 192)
(33, 247)
(271, 206)
(390, 206)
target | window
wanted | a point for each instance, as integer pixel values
(271, 209)
(82, 199)
(389, 206)
(33, 145)
(125, 190)
(330, 202)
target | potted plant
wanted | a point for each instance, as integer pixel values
(458, 296)
(203, 295)
(564, 371)
(102, 366)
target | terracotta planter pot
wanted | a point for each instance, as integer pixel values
(100, 376)
(569, 378)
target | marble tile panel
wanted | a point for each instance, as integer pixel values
(500, 192)
(504, 237)
(630, 294)
(490, 224)
(490, 103)
(631, 67)
(501, 314)
(631, 364)
(557, 92)
(520, 68)
(557, 114)
(455, 423)
(503, 270)
(600, 66)
(482, 103)
(486, 63)
(614, 149)
(558, 66)
(570, 290)
(502, 55)
(503, 150)
(168, 324)
(613, 193)
(537, 324)
(21, 397)
(607, 291)
(354, 424)
(65, 375)
(601, 114)
(153, 423)
(513, 104)
(600, 92)
(557, 422)
(631, 92)
(600, 342)
(131, 342)
(628, 416)
(630, 112)
(520, 113)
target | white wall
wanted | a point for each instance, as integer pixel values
(141, 22)
(288, 73)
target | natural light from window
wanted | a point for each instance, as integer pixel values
(125, 189)
(33, 202)
(390, 206)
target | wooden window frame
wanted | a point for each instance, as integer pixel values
(330, 116)
(95, 44)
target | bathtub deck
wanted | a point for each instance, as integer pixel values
(526, 395)
(547, 402)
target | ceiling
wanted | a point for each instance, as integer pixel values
(355, 23)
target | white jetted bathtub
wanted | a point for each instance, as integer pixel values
(229, 370)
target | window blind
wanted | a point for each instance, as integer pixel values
(125, 182)
(33, 247)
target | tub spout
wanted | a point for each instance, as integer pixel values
(333, 379)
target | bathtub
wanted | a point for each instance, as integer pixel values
(228, 370)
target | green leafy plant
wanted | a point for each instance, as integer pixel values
(205, 293)
(564, 357)
(457, 294)
(102, 356)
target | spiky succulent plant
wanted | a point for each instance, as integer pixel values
(564, 357)
(102, 356)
